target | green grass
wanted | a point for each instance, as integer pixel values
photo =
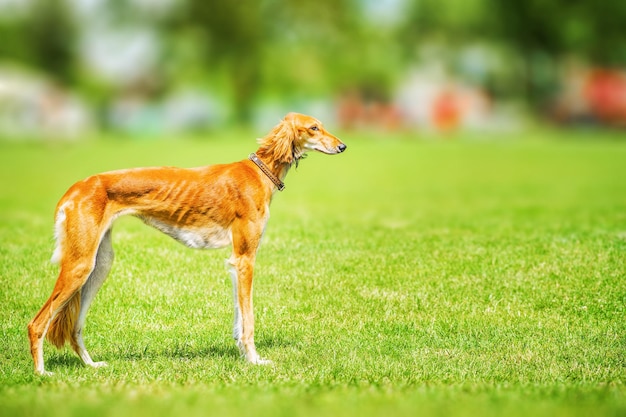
(404, 277)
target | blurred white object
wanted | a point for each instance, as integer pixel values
(33, 107)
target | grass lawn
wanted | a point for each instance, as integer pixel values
(405, 277)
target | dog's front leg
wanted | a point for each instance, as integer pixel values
(243, 328)
(230, 263)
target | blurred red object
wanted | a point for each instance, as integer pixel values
(605, 93)
(446, 111)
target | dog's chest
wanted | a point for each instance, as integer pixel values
(204, 237)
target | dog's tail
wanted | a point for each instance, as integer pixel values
(62, 326)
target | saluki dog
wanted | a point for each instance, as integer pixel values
(207, 207)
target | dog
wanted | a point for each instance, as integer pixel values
(207, 207)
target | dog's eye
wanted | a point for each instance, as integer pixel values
(315, 128)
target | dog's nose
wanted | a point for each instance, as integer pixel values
(342, 147)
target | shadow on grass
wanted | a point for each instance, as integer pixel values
(223, 349)
(276, 340)
(63, 360)
(69, 360)
(176, 350)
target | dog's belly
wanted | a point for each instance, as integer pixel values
(206, 237)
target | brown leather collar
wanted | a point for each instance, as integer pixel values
(279, 184)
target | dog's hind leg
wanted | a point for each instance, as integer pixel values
(104, 260)
(78, 241)
(57, 316)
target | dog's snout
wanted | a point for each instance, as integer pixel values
(342, 147)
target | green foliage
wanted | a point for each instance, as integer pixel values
(539, 33)
(43, 38)
(586, 29)
(272, 47)
(247, 51)
(465, 277)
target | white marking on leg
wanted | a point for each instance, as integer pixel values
(40, 368)
(237, 324)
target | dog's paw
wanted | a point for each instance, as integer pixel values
(257, 360)
(261, 361)
(44, 373)
(98, 364)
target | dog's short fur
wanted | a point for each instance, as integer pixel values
(207, 207)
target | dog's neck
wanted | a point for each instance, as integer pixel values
(279, 168)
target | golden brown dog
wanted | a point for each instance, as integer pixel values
(207, 207)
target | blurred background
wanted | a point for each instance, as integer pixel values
(70, 68)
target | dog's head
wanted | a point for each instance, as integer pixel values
(309, 134)
(298, 133)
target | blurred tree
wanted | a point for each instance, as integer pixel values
(592, 31)
(453, 21)
(44, 37)
(595, 30)
(233, 35)
(532, 28)
(300, 49)
(540, 32)
(438, 31)
(310, 43)
(253, 42)
(51, 33)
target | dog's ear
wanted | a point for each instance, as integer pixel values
(282, 141)
(297, 125)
